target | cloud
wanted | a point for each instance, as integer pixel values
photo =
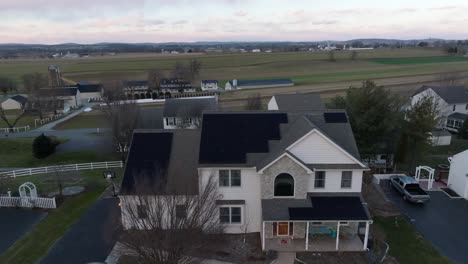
(179, 22)
(240, 13)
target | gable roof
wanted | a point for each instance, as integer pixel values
(19, 98)
(299, 102)
(450, 94)
(89, 88)
(459, 116)
(60, 91)
(241, 83)
(209, 81)
(188, 107)
(162, 162)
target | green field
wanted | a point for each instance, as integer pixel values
(85, 120)
(302, 67)
(419, 60)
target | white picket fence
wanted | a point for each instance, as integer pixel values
(28, 202)
(15, 129)
(68, 167)
(47, 119)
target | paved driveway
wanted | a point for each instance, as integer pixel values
(14, 223)
(92, 238)
(444, 221)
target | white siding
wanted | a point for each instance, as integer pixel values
(315, 149)
(10, 104)
(333, 182)
(458, 180)
(459, 108)
(249, 191)
(272, 105)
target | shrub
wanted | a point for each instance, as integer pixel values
(44, 146)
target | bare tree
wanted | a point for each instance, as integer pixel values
(169, 228)
(189, 72)
(7, 85)
(154, 79)
(33, 83)
(254, 102)
(122, 114)
(12, 118)
(194, 69)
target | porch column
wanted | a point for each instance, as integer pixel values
(366, 237)
(337, 235)
(307, 236)
(263, 236)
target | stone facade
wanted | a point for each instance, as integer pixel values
(285, 165)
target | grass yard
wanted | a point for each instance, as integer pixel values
(85, 120)
(26, 120)
(17, 153)
(406, 244)
(32, 247)
(419, 60)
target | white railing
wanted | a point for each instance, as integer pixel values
(15, 129)
(68, 167)
(38, 202)
(47, 119)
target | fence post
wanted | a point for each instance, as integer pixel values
(30, 171)
(76, 166)
(14, 174)
(53, 201)
(92, 166)
(107, 165)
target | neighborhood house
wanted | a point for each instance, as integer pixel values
(253, 84)
(187, 112)
(209, 85)
(16, 102)
(292, 177)
(458, 175)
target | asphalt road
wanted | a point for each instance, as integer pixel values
(443, 221)
(14, 223)
(92, 238)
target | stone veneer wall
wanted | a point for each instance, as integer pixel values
(285, 165)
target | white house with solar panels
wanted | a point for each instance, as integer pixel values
(291, 175)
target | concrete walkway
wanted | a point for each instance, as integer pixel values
(49, 126)
(285, 258)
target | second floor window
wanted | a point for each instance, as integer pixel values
(284, 185)
(229, 178)
(454, 107)
(319, 179)
(346, 179)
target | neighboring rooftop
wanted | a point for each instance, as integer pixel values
(299, 102)
(19, 98)
(265, 82)
(89, 88)
(209, 81)
(458, 116)
(189, 107)
(450, 94)
(60, 91)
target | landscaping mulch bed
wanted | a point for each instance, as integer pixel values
(451, 193)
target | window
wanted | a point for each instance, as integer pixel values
(283, 228)
(450, 122)
(284, 185)
(319, 179)
(454, 107)
(346, 179)
(181, 211)
(142, 211)
(171, 121)
(229, 178)
(230, 215)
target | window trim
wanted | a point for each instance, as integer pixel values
(324, 180)
(230, 178)
(350, 180)
(294, 186)
(230, 215)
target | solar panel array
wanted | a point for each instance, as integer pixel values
(339, 117)
(227, 138)
(147, 161)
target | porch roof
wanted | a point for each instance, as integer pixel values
(316, 208)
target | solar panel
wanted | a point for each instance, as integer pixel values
(335, 117)
(228, 137)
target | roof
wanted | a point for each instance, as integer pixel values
(162, 162)
(299, 102)
(265, 82)
(317, 207)
(450, 94)
(458, 116)
(174, 81)
(19, 98)
(188, 107)
(440, 133)
(60, 91)
(209, 81)
(228, 137)
(133, 83)
(89, 88)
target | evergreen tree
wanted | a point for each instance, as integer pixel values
(43, 146)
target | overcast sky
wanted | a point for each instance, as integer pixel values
(91, 21)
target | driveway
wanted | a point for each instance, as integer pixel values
(92, 238)
(14, 223)
(444, 221)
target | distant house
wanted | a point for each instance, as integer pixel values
(90, 92)
(66, 98)
(186, 112)
(175, 86)
(14, 103)
(208, 85)
(458, 175)
(452, 102)
(296, 102)
(252, 84)
(135, 86)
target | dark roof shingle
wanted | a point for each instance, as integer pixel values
(450, 94)
(299, 102)
(188, 107)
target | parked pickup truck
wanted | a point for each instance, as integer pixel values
(409, 188)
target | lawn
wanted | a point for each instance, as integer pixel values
(32, 247)
(17, 153)
(406, 244)
(26, 120)
(419, 60)
(85, 120)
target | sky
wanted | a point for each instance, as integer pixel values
(133, 21)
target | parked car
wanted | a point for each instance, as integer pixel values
(409, 188)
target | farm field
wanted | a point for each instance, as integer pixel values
(95, 119)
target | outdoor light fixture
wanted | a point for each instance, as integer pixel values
(109, 174)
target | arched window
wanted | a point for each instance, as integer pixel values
(284, 185)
